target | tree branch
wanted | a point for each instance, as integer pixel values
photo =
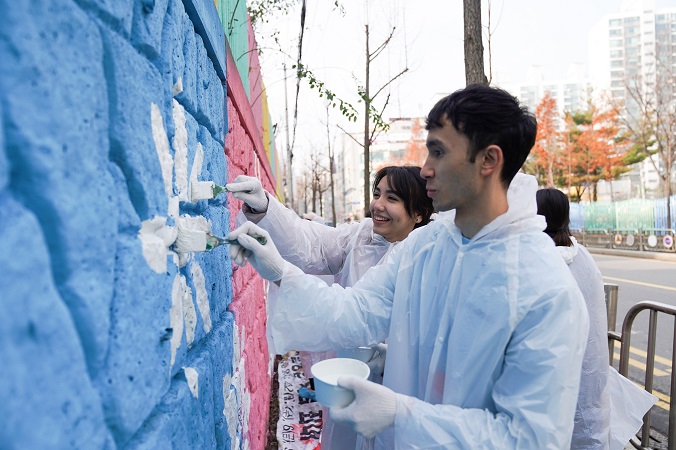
(350, 135)
(382, 46)
(388, 83)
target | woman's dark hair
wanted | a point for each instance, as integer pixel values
(554, 205)
(410, 187)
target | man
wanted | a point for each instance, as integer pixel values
(485, 326)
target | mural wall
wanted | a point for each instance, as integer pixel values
(110, 111)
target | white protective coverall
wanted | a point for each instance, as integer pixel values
(485, 338)
(592, 415)
(346, 252)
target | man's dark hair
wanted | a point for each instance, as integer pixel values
(410, 187)
(554, 205)
(489, 116)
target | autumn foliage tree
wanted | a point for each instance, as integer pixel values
(596, 149)
(545, 160)
(578, 151)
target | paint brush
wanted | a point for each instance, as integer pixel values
(188, 241)
(206, 190)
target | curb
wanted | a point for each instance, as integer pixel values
(633, 254)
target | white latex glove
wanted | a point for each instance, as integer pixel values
(264, 258)
(377, 361)
(250, 191)
(373, 409)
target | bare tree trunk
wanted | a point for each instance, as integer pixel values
(367, 134)
(474, 48)
(289, 150)
(612, 194)
(331, 167)
(315, 189)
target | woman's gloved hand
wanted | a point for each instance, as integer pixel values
(250, 191)
(373, 409)
(377, 361)
(264, 258)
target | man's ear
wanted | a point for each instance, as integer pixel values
(491, 160)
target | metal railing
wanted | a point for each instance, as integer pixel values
(652, 240)
(625, 343)
(611, 292)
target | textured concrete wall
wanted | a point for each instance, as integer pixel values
(109, 111)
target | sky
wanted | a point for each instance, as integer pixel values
(525, 36)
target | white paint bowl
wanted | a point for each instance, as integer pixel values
(363, 354)
(326, 374)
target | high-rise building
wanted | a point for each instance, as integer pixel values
(571, 92)
(632, 54)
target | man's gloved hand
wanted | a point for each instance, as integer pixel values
(264, 258)
(377, 361)
(250, 191)
(373, 409)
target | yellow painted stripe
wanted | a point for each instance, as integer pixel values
(642, 366)
(641, 283)
(659, 359)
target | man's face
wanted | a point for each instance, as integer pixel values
(452, 181)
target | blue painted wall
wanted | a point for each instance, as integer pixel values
(108, 338)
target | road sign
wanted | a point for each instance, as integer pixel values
(630, 240)
(668, 241)
(652, 240)
(618, 239)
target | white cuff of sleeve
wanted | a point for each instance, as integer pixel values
(290, 270)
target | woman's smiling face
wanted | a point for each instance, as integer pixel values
(390, 219)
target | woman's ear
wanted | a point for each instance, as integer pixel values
(418, 218)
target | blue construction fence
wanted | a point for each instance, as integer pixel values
(627, 214)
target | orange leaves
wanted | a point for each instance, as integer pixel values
(578, 149)
(547, 147)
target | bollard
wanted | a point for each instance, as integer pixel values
(610, 291)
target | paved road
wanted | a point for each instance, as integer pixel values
(645, 279)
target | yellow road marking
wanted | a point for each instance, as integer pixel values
(641, 283)
(659, 359)
(642, 366)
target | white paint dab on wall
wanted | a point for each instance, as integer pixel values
(236, 348)
(230, 406)
(191, 375)
(178, 87)
(196, 169)
(189, 315)
(201, 294)
(246, 411)
(156, 237)
(173, 207)
(176, 315)
(244, 407)
(162, 148)
(181, 152)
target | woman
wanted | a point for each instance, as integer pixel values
(592, 415)
(400, 204)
